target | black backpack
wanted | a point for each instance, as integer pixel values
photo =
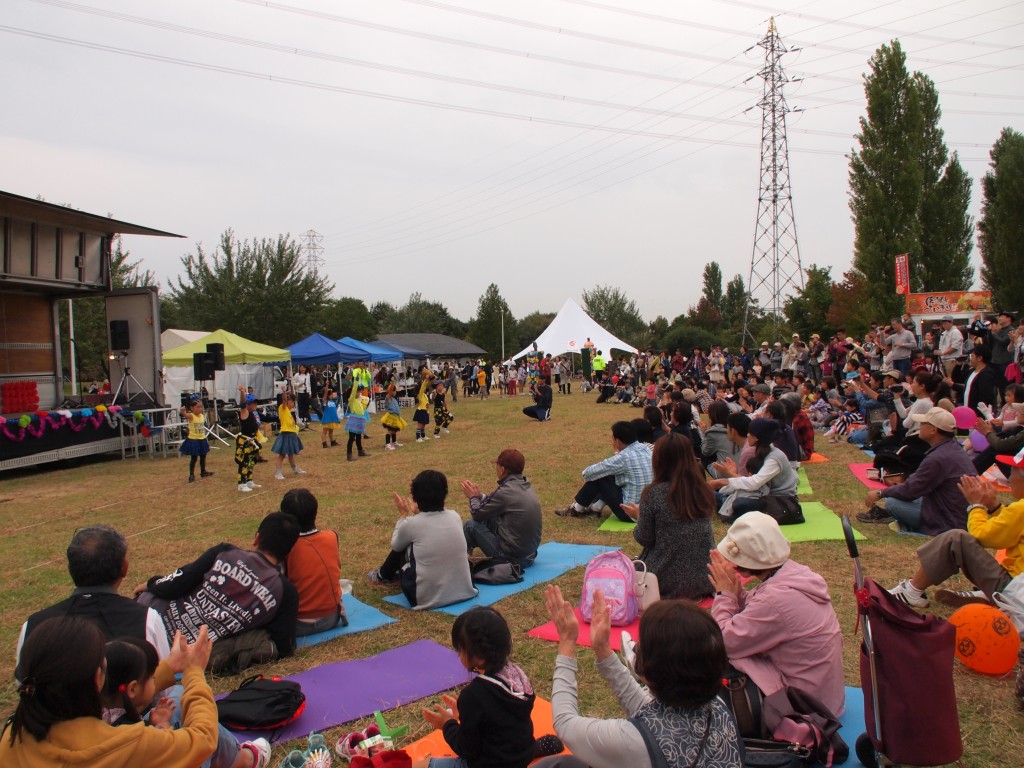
(261, 704)
(497, 570)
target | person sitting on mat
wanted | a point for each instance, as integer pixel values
(680, 657)
(508, 521)
(428, 548)
(990, 525)
(489, 724)
(241, 595)
(313, 567)
(783, 632)
(929, 501)
(770, 474)
(617, 480)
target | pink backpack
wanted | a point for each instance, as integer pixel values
(613, 573)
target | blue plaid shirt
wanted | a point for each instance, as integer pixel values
(631, 467)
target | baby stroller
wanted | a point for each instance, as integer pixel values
(906, 672)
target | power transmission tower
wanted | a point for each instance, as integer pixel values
(314, 251)
(775, 270)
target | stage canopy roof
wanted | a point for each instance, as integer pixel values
(432, 344)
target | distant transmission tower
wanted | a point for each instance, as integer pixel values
(314, 251)
(775, 270)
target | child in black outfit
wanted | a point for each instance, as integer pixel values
(490, 725)
(442, 416)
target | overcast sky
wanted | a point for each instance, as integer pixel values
(544, 145)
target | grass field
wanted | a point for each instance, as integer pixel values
(169, 522)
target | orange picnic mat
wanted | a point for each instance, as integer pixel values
(434, 744)
(816, 458)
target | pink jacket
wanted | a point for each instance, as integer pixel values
(784, 632)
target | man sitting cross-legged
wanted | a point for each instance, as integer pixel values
(989, 525)
(241, 595)
(618, 479)
(507, 522)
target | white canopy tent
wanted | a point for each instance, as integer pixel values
(172, 338)
(570, 330)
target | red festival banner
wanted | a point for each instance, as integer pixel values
(902, 274)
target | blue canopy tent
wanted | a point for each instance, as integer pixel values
(372, 352)
(407, 351)
(317, 349)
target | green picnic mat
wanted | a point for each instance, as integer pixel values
(822, 524)
(612, 523)
(803, 487)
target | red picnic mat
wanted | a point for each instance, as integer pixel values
(860, 471)
(548, 631)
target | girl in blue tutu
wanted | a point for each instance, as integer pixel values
(195, 446)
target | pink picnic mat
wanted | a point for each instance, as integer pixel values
(860, 471)
(548, 631)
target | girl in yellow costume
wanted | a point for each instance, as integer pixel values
(195, 446)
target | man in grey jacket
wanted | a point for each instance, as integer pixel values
(506, 522)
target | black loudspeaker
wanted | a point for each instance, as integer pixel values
(216, 351)
(203, 366)
(585, 352)
(120, 341)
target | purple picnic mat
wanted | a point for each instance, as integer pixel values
(348, 690)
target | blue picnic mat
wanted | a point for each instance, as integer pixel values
(553, 559)
(851, 724)
(361, 617)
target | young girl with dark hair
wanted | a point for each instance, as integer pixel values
(674, 520)
(58, 719)
(130, 686)
(195, 445)
(489, 724)
(771, 474)
(392, 419)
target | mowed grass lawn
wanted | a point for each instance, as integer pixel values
(169, 522)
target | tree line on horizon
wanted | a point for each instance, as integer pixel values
(907, 194)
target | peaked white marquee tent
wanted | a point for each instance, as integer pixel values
(570, 330)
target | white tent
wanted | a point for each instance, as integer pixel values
(570, 330)
(173, 338)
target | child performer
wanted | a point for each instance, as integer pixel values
(287, 443)
(330, 420)
(420, 415)
(392, 420)
(442, 416)
(246, 445)
(357, 418)
(195, 446)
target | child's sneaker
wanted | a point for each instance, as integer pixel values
(446, 431)
(204, 473)
(376, 579)
(958, 599)
(437, 437)
(348, 746)
(244, 488)
(260, 749)
(253, 485)
(278, 476)
(299, 471)
(389, 447)
(418, 440)
(905, 592)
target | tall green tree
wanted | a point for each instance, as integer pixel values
(347, 316)
(90, 318)
(418, 315)
(807, 311)
(614, 311)
(258, 289)
(734, 304)
(901, 183)
(1001, 227)
(485, 329)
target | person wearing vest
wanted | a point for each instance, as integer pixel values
(598, 364)
(314, 568)
(98, 563)
(240, 595)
